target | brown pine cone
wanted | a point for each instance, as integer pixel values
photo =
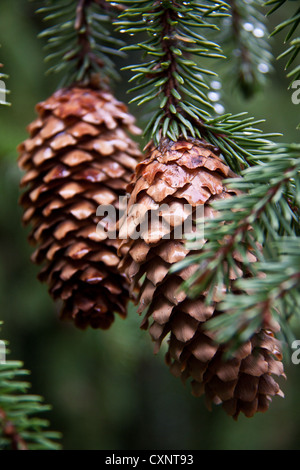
(78, 156)
(177, 174)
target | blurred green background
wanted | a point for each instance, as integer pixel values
(107, 389)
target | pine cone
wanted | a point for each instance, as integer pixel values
(78, 156)
(177, 174)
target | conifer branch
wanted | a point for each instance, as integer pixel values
(11, 434)
(171, 78)
(265, 214)
(293, 50)
(292, 53)
(20, 426)
(271, 295)
(80, 42)
(244, 39)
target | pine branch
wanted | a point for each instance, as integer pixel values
(244, 39)
(272, 294)
(20, 426)
(80, 42)
(292, 52)
(249, 225)
(240, 140)
(172, 79)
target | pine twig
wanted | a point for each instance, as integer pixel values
(272, 294)
(244, 39)
(20, 426)
(171, 77)
(266, 212)
(293, 49)
(80, 42)
(11, 434)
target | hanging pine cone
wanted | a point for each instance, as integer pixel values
(78, 156)
(176, 174)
